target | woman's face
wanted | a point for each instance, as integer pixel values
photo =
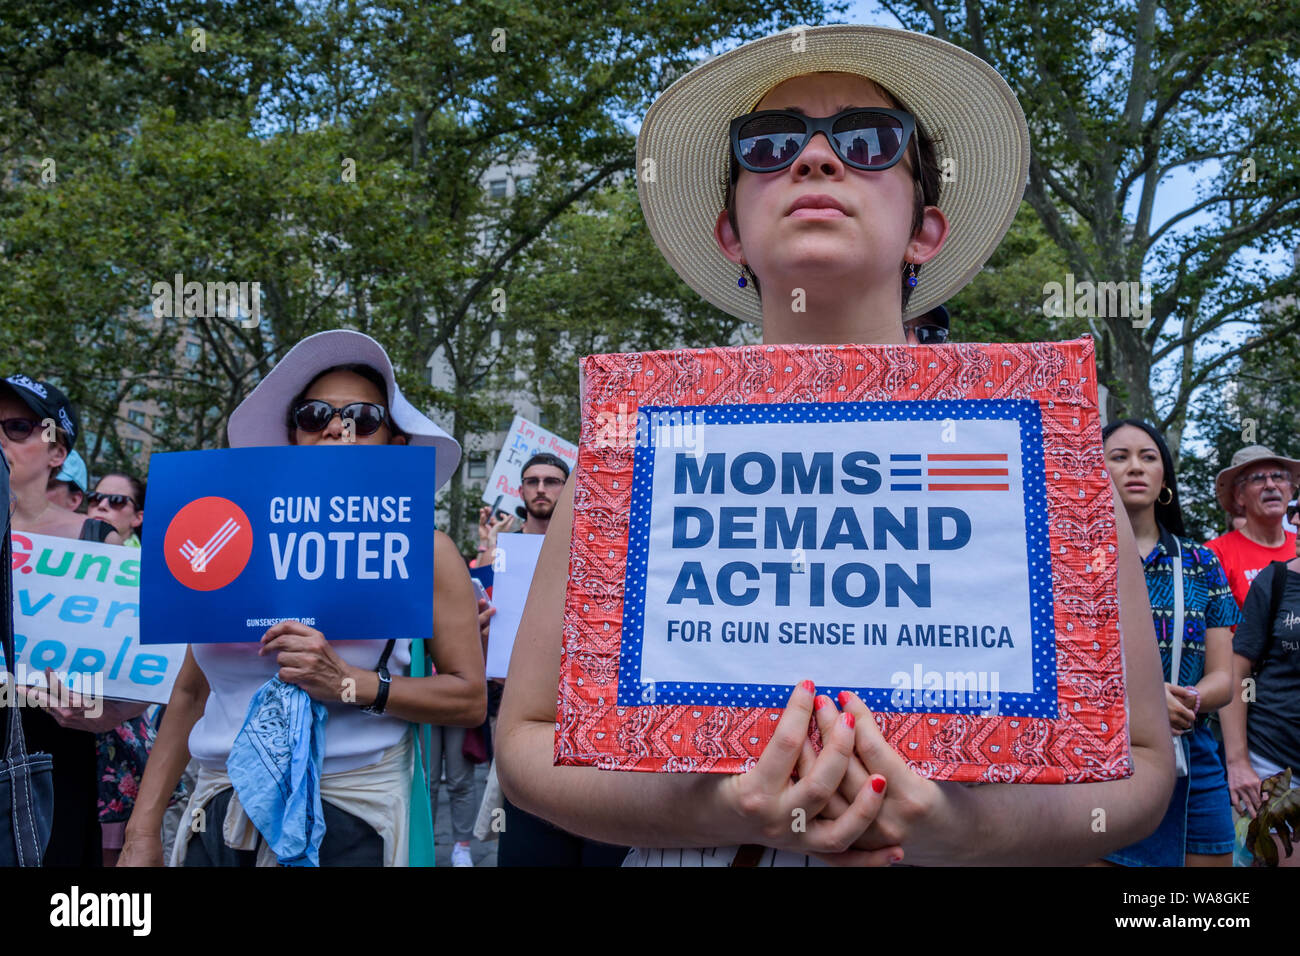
(34, 456)
(128, 517)
(1133, 461)
(859, 224)
(342, 388)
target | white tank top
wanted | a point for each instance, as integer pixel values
(234, 672)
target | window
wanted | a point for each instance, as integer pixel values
(497, 188)
(135, 418)
(477, 466)
(134, 446)
(192, 351)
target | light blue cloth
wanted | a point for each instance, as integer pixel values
(275, 766)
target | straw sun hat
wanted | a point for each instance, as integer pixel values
(959, 99)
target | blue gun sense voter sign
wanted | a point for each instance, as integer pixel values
(340, 539)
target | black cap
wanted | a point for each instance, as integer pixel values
(46, 401)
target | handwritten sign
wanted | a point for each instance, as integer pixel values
(339, 538)
(524, 440)
(930, 528)
(77, 612)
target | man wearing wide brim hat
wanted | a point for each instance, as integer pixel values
(1257, 485)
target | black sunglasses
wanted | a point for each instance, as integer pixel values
(871, 139)
(930, 334)
(114, 501)
(19, 429)
(315, 416)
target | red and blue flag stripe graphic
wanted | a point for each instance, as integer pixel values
(949, 472)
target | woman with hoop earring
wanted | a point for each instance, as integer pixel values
(1194, 614)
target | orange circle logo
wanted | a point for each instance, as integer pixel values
(208, 543)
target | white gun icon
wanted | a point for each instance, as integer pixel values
(199, 557)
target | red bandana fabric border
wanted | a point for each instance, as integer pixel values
(1087, 739)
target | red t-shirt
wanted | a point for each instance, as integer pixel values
(1242, 559)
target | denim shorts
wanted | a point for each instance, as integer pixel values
(1209, 808)
(1198, 819)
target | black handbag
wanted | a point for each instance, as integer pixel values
(26, 780)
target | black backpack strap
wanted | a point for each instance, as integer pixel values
(1277, 586)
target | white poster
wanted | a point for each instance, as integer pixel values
(513, 566)
(77, 612)
(522, 442)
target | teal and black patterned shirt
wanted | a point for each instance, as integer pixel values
(1207, 602)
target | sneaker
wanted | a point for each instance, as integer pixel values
(460, 855)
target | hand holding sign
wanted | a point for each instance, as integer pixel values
(69, 709)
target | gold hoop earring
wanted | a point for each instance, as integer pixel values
(1165, 490)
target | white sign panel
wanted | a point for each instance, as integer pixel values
(77, 612)
(524, 440)
(514, 564)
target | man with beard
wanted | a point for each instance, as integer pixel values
(540, 482)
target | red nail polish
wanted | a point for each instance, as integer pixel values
(809, 686)
(843, 697)
(896, 858)
(848, 721)
(819, 703)
(878, 785)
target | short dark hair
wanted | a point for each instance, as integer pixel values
(926, 182)
(546, 458)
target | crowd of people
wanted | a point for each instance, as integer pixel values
(780, 169)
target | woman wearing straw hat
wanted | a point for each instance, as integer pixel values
(809, 164)
(334, 387)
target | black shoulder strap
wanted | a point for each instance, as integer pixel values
(1276, 588)
(95, 529)
(15, 746)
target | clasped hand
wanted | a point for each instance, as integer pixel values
(832, 804)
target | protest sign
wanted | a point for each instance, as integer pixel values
(339, 538)
(931, 528)
(524, 440)
(77, 612)
(513, 565)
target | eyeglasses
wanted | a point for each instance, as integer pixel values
(114, 501)
(547, 483)
(19, 429)
(1258, 479)
(930, 334)
(871, 139)
(315, 416)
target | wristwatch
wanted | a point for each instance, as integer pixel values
(381, 698)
